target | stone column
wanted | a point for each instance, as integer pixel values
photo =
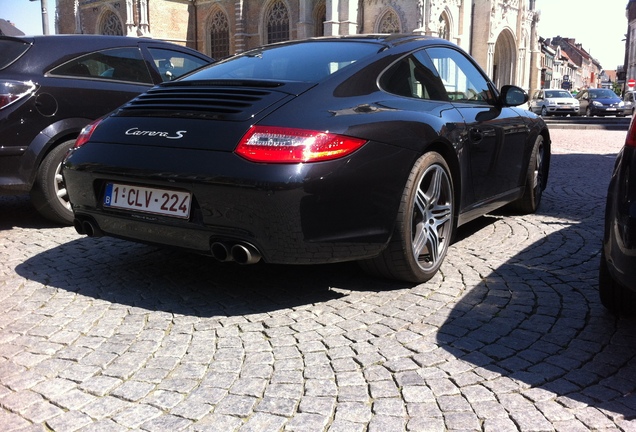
(332, 22)
(239, 36)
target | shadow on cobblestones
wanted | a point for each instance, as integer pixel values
(188, 284)
(510, 335)
(537, 318)
(17, 211)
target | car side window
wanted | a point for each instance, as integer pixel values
(411, 78)
(172, 64)
(462, 80)
(118, 64)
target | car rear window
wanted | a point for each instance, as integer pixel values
(11, 50)
(309, 62)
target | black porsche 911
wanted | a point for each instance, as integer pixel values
(371, 148)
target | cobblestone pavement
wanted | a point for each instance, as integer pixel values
(106, 335)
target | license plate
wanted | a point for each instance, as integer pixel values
(148, 200)
(611, 109)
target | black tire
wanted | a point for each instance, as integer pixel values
(49, 194)
(616, 298)
(424, 225)
(544, 111)
(535, 181)
(588, 112)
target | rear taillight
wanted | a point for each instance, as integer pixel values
(288, 145)
(12, 91)
(630, 141)
(86, 133)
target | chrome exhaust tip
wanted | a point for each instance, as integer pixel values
(245, 253)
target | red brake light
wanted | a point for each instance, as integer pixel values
(289, 145)
(630, 141)
(86, 133)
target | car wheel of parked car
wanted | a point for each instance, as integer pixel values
(588, 112)
(544, 111)
(616, 298)
(49, 194)
(535, 179)
(424, 225)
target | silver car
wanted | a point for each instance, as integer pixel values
(554, 102)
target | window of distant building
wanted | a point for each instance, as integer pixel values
(219, 35)
(444, 27)
(389, 23)
(320, 16)
(277, 23)
(111, 25)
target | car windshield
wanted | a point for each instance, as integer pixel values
(602, 93)
(309, 61)
(557, 94)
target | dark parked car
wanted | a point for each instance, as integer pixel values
(554, 102)
(53, 86)
(367, 148)
(601, 102)
(617, 270)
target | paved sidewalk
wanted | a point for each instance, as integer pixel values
(106, 335)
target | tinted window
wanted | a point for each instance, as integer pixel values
(309, 61)
(120, 64)
(411, 78)
(11, 50)
(462, 80)
(172, 64)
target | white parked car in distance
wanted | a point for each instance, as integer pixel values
(554, 102)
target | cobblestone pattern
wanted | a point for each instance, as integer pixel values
(106, 335)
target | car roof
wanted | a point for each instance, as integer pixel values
(51, 50)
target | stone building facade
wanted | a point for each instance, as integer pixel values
(500, 34)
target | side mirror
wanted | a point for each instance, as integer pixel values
(513, 96)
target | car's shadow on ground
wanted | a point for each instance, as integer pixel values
(17, 211)
(535, 319)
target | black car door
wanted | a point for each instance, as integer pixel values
(496, 137)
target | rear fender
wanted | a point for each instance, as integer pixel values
(42, 144)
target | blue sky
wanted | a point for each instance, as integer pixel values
(558, 18)
(27, 15)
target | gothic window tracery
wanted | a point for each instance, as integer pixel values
(277, 23)
(390, 23)
(219, 35)
(111, 25)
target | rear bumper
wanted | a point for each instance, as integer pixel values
(293, 214)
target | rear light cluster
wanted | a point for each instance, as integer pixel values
(630, 140)
(86, 133)
(271, 144)
(12, 91)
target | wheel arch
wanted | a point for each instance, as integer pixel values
(49, 138)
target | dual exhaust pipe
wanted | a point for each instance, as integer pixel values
(242, 253)
(88, 227)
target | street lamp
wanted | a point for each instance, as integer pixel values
(45, 17)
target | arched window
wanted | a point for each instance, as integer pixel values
(390, 23)
(443, 29)
(277, 23)
(219, 35)
(111, 25)
(320, 16)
